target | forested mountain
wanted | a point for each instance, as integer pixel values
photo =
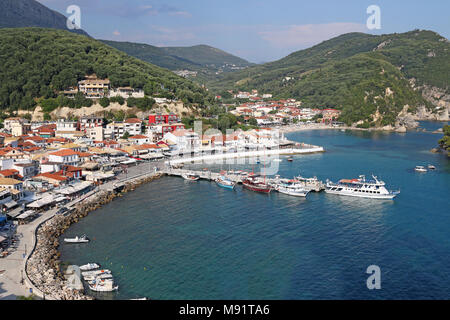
(37, 62)
(30, 13)
(205, 60)
(361, 74)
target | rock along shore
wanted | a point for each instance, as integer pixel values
(44, 266)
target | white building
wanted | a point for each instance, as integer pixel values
(64, 156)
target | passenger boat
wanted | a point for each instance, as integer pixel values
(431, 167)
(292, 188)
(224, 182)
(103, 286)
(89, 266)
(190, 177)
(252, 184)
(362, 188)
(420, 169)
(103, 276)
(82, 239)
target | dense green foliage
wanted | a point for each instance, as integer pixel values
(351, 72)
(38, 63)
(205, 60)
(445, 141)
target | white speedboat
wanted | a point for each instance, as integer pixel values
(362, 188)
(77, 239)
(431, 167)
(420, 169)
(89, 266)
(292, 188)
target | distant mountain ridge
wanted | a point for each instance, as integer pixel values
(30, 13)
(205, 60)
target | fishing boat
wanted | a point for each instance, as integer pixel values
(362, 188)
(190, 177)
(252, 184)
(224, 182)
(431, 167)
(420, 169)
(77, 239)
(103, 286)
(292, 188)
(89, 266)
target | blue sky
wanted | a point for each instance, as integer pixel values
(258, 31)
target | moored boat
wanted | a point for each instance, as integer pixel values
(252, 184)
(190, 176)
(362, 188)
(224, 182)
(89, 266)
(103, 286)
(77, 239)
(292, 188)
(420, 169)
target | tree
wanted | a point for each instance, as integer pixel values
(126, 135)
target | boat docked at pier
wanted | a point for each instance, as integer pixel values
(362, 188)
(190, 177)
(253, 184)
(89, 266)
(102, 285)
(77, 239)
(292, 188)
(224, 182)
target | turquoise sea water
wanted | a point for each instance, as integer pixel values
(173, 239)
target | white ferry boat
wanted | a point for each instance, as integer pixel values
(362, 188)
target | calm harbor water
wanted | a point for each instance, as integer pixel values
(173, 239)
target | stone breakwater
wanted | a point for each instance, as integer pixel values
(44, 267)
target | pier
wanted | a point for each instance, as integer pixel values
(308, 183)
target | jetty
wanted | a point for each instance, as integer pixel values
(309, 183)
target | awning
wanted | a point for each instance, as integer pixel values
(14, 213)
(27, 214)
(2, 238)
(10, 204)
(41, 202)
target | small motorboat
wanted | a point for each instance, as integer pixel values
(95, 273)
(277, 160)
(224, 182)
(103, 286)
(420, 169)
(89, 266)
(290, 159)
(431, 167)
(77, 239)
(190, 177)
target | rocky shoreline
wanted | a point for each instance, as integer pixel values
(44, 266)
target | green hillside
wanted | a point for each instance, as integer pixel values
(351, 72)
(30, 13)
(205, 60)
(36, 62)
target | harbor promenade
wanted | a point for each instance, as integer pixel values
(14, 281)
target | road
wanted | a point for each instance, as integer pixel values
(13, 264)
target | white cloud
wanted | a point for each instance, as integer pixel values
(309, 34)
